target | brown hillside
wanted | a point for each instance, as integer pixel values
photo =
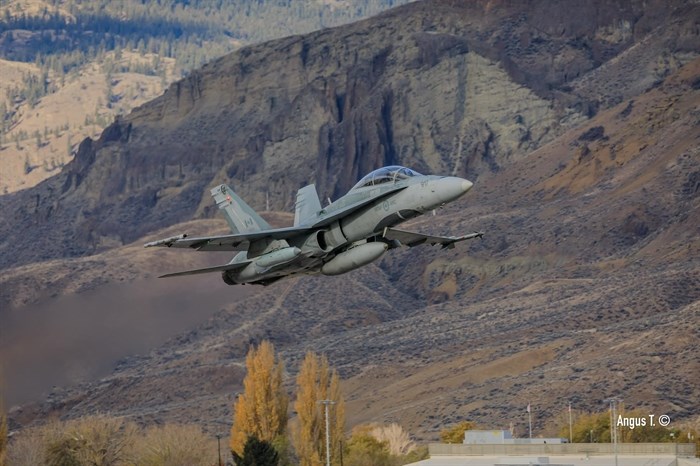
(442, 86)
(586, 285)
(567, 299)
(43, 138)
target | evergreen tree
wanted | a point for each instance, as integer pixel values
(256, 453)
(261, 410)
(27, 165)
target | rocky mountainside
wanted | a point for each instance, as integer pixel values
(444, 87)
(580, 128)
(68, 68)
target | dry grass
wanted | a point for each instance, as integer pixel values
(83, 96)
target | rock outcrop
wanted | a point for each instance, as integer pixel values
(442, 86)
(585, 286)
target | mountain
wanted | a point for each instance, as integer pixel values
(68, 68)
(429, 93)
(579, 126)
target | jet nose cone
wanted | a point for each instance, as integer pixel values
(450, 188)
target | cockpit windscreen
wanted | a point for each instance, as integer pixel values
(382, 175)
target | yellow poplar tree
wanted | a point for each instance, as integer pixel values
(261, 410)
(337, 415)
(455, 434)
(316, 382)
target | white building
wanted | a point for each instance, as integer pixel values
(503, 437)
(561, 454)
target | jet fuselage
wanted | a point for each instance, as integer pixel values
(396, 202)
(351, 232)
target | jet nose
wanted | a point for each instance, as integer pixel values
(451, 187)
(466, 185)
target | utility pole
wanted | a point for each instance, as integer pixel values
(613, 423)
(218, 441)
(674, 440)
(529, 420)
(571, 430)
(327, 403)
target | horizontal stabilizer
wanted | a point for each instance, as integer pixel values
(411, 239)
(218, 268)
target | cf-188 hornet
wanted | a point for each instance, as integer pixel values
(345, 235)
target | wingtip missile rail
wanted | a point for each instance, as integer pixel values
(451, 245)
(165, 242)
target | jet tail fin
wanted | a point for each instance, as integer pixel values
(240, 216)
(307, 205)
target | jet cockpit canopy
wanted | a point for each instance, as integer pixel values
(390, 174)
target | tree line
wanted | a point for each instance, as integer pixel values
(192, 32)
(595, 427)
(262, 434)
(68, 34)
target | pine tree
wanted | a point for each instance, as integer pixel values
(317, 382)
(256, 453)
(261, 411)
(27, 165)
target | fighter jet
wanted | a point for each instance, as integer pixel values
(353, 231)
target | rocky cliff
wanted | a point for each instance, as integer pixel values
(586, 286)
(580, 128)
(444, 87)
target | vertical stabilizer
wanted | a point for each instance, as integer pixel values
(239, 215)
(307, 205)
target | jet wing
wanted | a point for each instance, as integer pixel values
(241, 242)
(238, 242)
(218, 268)
(410, 239)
